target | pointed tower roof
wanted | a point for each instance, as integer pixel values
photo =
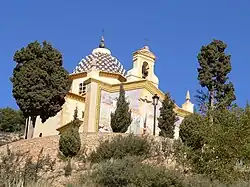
(146, 52)
(188, 98)
(188, 105)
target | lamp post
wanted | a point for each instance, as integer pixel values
(155, 103)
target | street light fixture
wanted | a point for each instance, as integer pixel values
(155, 103)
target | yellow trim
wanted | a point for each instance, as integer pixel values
(141, 84)
(113, 75)
(77, 75)
(75, 96)
(98, 107)
(64, 127)
(121, 78)
(86, 112)
(145, 52)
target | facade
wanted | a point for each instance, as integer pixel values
(96, 81)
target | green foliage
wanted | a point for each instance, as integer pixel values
(70, 141)
(214, 67)
(167, 119)
(202, 181)
(75, 117)
(122, 146)
(192, 131)
(131, 173)
(121, 118)
(11, 120)
(224, 146)
(40, 83)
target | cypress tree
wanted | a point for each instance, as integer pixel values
(70, 141)
(121, 118)
(75, 114)
(40, 83)
(167, 118)
(213, 73)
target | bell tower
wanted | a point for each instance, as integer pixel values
(143, 66)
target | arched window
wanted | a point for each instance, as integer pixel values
(145, 69)
(82, 89)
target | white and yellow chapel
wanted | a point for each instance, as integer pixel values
(96, 82)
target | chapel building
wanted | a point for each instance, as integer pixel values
(96, 82)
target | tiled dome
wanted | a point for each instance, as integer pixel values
(102, 59)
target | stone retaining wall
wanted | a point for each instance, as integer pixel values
(50, 144)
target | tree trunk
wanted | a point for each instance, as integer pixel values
(211, 99)
(211, 105)
(31, 126)
(26, 128)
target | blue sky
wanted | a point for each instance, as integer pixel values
(175, 29)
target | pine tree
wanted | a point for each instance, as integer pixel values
(213, 73)
(167, 118)
(121, 118)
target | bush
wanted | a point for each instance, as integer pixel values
(122, 146)
(202, 181)
(192, 131)
(11, 120)
(211, 148)
(131, 173)
(70, 141)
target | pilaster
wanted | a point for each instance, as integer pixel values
(90, 113)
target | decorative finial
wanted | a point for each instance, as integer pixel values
(188, 98)
(102, 44)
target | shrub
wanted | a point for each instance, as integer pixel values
(192, 131)
(122, 146)
(70, 141)
(11, 120)
(130, 172)
(210, 148)
(203, 181)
